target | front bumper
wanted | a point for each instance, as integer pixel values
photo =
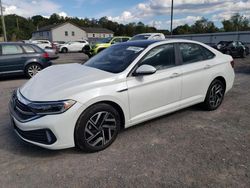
(50, 131)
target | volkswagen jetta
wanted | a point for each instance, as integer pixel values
(86, 105)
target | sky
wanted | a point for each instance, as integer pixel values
(151, 12)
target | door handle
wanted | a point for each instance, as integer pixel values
(207, 66)
(174, 75)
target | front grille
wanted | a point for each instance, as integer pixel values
(21, 111)
(43, 136)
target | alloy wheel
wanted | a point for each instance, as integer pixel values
(216, 95)
(100, 129)
(33, 70)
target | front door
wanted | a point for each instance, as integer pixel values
(156, 94)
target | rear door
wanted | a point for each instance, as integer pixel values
(197, 67)
(12, 58)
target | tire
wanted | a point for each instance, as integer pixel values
(228, 52)
(215, 95)
(86, 49)
(97, 127)
(243, 54)
(32, 69)
(64, 50)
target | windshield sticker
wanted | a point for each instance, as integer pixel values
(135, 49)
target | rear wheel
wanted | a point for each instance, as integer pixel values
(32, 69)
(215, 95)
(243, 54)
(64, 50)
(97, 127)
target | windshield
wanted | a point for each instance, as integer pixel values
(140, 37)
(115, 59)
(104, 40)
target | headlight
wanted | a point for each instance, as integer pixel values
(47, 108)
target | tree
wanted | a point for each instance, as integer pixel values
(182, 29)
(204, 26)
(236, 23)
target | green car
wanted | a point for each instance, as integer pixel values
(106, 42)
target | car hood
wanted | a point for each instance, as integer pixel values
(60, 82)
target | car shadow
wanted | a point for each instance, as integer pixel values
(12, 77)
(17, 146)
(195, 108)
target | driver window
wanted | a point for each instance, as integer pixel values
(160, 57)
(116, 40)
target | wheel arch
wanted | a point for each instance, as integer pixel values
(222, 79)
(114, 105)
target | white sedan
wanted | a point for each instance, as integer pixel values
(73, 46)
(86, 105)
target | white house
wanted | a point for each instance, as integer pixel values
(69, 32)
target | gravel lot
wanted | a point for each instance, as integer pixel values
(189, 148)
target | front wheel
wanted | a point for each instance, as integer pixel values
(215, 95)
(97, 127)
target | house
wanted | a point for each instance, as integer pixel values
(69, 32)
(95, 33)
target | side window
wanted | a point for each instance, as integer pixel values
(190, 53)
(11, 49)
(156, 37)
(28, 49)
(160, 57)
(207, 54)
(125, 39)
(116, 40)
(73, 33)
(66, 33)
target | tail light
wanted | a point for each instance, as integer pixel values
(53, 45)
(232, 63)
(45, 55)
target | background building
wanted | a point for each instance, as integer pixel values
(214, 38)
(70, 32)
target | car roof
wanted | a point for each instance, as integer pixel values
(150, 34)
(146, 43)
(139, 43)
(11, 43)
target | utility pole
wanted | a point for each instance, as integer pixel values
(3, 23)
(171, 25)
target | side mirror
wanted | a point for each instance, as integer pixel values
(113, 42)
(144, 70)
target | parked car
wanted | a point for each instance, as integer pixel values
(52, 52)
(129, 83)
(107, 42)
(233, 48)
(73, 46)
(57, 44)
(149, 36)
(20, 58)
(42, 43)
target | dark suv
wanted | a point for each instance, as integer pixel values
(19, 58)
(233, 48)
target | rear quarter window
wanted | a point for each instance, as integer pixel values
(37, 49)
